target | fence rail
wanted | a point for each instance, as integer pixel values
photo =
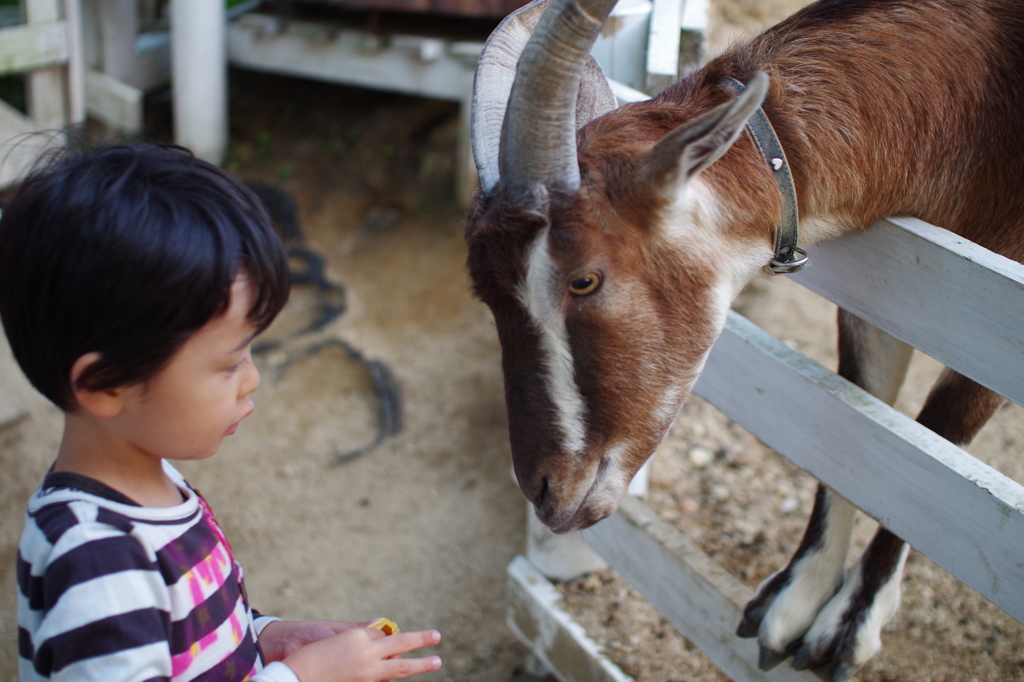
(950, 298)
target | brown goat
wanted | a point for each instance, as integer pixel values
(609, 256)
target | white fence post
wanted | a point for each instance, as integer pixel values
(199, 69)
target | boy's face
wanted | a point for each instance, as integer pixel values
(186, 410)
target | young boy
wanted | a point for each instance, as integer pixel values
(133, 280)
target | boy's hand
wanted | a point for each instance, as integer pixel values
(283, 638)
(361, 654)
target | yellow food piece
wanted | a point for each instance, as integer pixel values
(386, 626)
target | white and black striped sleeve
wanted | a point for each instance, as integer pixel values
(95, 598)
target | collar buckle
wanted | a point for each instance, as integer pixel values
(798, 260)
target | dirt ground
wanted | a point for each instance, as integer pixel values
(421, 529)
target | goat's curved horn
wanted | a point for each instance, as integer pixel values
(525, 93)
(538, 140)
(492, 83)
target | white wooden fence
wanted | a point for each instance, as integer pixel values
(948, 297)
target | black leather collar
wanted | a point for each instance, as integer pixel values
(788, 257)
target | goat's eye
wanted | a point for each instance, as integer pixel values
(588, 284)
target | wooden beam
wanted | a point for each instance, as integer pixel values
(687, 587)
(21, 144)
(114, 103)
(625, 94)
(32, 46)
(350, 57)
(37, 11)
(952, 299)
(561, 644)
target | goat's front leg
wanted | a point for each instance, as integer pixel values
(847, 632)
(789, 602)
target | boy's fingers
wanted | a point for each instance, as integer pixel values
(374, 633)
(409, 641)
(400, 668)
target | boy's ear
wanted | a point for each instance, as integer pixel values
(103, 403)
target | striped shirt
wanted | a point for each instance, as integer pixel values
(112, 591)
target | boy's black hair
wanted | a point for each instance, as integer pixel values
(127, 250)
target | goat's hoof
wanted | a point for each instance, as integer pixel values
(747, 628)
(768, 658)
(755, 611)
(802, 658)
(825, 660)
(843, 672)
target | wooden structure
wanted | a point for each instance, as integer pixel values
(47, 48)
(948, 297)
(78, 56)
(639, 50)
(120, 49)
(127, 53)
(494, 9)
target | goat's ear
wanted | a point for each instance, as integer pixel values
(698, 143)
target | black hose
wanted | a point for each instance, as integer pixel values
(309, 269)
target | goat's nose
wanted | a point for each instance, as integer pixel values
(535, 489)
(542, 494)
